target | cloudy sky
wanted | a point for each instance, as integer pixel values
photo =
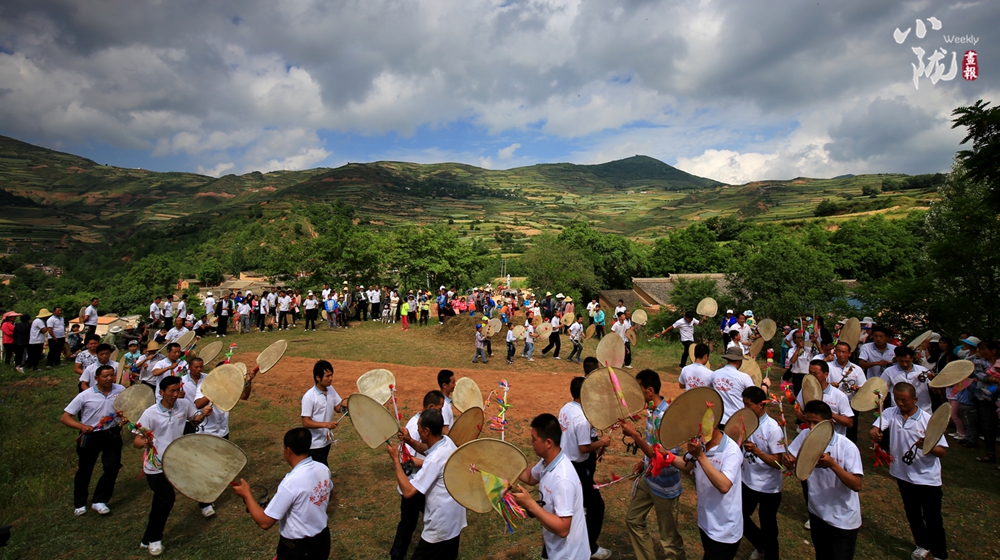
(735, 91)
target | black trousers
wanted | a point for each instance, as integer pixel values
(316, 546)
(159, 511)
(553, 343)
(444, 550)
(425, 315)
(409, 513)
(34, 356)
(9, 352)
(717, 550)
(684, 353)
(628, 354)
(55, 350)
(321, 455)
(922, 505)
(765, 537)
(488, 346)
(107, 444)
(986, 410)
(223, 327)
(852, 432)
(282, 319)
(376, 311)
(797, 383)
(599, 332)
(363, 311)
(830, 542)
(593, 502)
(511, 349)
(311, 318)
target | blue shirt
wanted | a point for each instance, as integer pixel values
(668, 483)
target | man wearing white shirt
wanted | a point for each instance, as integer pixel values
(209, 304)
(319, 404)
(168, 309)
(446, 384)
(100, 435)
(161, 424)
(590, 309)
(375, 299)
(177, 331)
(529, 341)
(171, 365)
(300, 503)
(847, 377)
(90, 317)
(444, 518)
(579, 444)
(556, 323)
(36, 340)
(918, 476)
(245, 311)
(56, 334)
(326, 292)
(512, 345)
(311, 305)
(182, 307)
(154, 312)
(905, 371)
(833, 486)
(799, 357)
(103, 359)
(576, 337)
(718, 478)
(696, 374)
(411, 508)
(746, 332)
(284, 308)
(878, 354)
(762, 476)
(840, 407)
(685, 325)
(730, 383)
(564, 528)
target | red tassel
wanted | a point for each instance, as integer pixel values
(882, 457)
(660, 460)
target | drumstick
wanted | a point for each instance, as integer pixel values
(392, 390)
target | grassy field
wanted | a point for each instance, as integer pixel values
(37, 463)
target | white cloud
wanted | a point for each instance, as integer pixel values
(218, 170)
(508, 152)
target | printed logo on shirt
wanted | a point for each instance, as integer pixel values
(321, 493)
(722, 384)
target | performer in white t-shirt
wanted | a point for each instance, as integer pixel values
(685, 325)
(564, 527)
(444, 518)
(299, 505)
(840, 407)
(318, 406)
(696, 374)
(762, 476)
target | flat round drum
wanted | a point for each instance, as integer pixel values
(201, 466)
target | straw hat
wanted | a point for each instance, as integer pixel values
(569, 299)
(812, 449)
(43, 313)
(201, 466)
(154, 345)
(560, 296)
(209, 294)
(548, 294)
(733, 354)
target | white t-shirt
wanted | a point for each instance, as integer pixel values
(839, 404)
(529, 332)
(448, 413)
(870, 353)
(168, 309)
(91, 370)
(166, 425)
(375, 297)
(93, 406)
(695, 375)
(179, 370)
(224, 307)
(843, 378)
(182, 310)
(801, 365)
(590, 308)
(730, 383)
(57, 327)
(829, 498)
(619, 309)
(575, 330)
(311, 303)
(91, 314)
(575, 431)
(190, 388)
(244, 309)
(318, 406)
(926, 469)
(770, 439)
(562, 493)
(686, 329)
(300, 502)
(413, 428)
(721, 515)
(284, 303)
(36, 335)
(745, 334)
(174, 334)
(154, 311)
(215, 424)
(326, 293)
(895, 374)
(510, 336)
(210, 305)
(444, 518)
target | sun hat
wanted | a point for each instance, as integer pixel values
(43, 313)
(972, 341)
(733, 354)
(133, 343)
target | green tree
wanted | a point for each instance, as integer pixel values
(870, 190)
(614, 258)
(982, 162)
(826, 208)
(558, 266)
(692, 250)
(783, 278)
(210, 273)
(685, 297)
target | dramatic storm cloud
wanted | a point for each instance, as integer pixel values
(736, 91)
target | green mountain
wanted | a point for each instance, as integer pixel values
(62, 199)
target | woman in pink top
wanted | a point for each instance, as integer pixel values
(8, 338)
